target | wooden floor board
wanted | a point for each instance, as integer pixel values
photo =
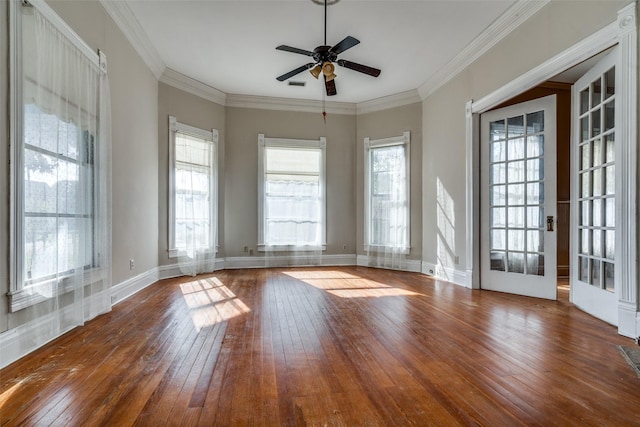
(336, 346)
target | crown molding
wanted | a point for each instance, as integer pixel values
(187, 84)
(498, 30)
(314, 106)
(387, 102)
(132, 30)
(289, 104)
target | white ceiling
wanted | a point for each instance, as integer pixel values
(230, 45)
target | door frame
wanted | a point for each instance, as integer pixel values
(621, 32)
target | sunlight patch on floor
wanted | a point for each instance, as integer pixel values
(6, 395)
(319, 274)
(211, 302)
(345, 285)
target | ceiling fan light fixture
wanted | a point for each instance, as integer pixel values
(315, 71)
(327, 69)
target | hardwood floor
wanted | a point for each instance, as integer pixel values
(327, 346)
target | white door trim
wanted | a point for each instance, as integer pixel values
(623, 32)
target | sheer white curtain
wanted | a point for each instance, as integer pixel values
(387, 203)
(195, 202)
(62, 187)
(293, 203)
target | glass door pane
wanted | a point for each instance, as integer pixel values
(516, 179)
(596, 175)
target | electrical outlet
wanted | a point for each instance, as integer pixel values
(250, 251)
(132, 264)
(246, 248)
(344, 247)
(456, 260)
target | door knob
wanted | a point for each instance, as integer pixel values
(550, 223)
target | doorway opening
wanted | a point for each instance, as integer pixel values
(561, 86)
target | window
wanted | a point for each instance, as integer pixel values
(291, 196)
(57, 194)
(387, 194)
(193, 185)
(60, 223)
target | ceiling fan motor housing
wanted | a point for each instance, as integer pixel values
(322, 54)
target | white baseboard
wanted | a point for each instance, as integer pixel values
(458, 277)
(124, 290)
(23, 339)
(170, 271)
(412, 265)
(628, 319)
(289, 261)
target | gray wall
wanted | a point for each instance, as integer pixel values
(385, 124)
(553, 29)
(241, 205)
(194, 111)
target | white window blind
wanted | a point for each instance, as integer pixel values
(293, 196)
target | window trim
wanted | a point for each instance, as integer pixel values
(321, 144)
(369, 144)
(21, 296)
(15, 157)
(211, 136)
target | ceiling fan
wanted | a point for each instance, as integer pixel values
(324, 57)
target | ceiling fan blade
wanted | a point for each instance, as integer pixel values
(294, 72)
(294, 50)
(347, 43)
(331, 86)
(359, 67)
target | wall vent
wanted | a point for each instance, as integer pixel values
(291, 83)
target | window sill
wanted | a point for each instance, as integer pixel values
(40, 292)
(291, 248)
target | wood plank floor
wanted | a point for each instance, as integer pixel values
(327, 346)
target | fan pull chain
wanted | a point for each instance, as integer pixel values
(324, 109)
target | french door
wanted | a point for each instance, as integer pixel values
(594, 148)
(518, 199)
